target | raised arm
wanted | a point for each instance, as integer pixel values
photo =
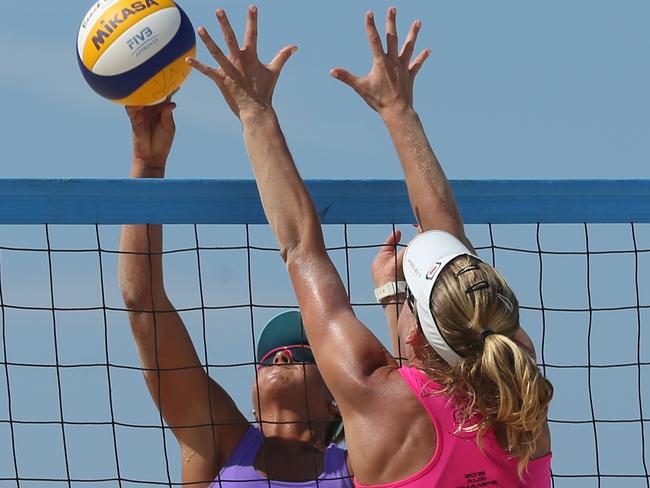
(188, 399)
(335, 334)
(386, 269)
(388, 89)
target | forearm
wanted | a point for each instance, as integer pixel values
(166, 352)
(392, 309)
(429, 190)
(287, 204)
(140, 259)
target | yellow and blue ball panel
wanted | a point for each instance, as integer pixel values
(141, 61)
(107, 24)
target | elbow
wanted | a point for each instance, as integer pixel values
(138, 300)
(301, 239)
(132, 294)
(139, 291)
(135, 297)
(309, 246)
(285, 251)
(134, 301)
(288, 251)
(440, 214)
(142, 312)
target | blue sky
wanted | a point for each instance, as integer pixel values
(512, 90)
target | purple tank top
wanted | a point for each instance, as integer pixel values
(239, 470)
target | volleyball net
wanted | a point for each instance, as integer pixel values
(74, 408)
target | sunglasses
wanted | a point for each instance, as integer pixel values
(410, 299)
(299, 353)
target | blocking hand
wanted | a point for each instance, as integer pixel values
(389, 85)
(245, 82)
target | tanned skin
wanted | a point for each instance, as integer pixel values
(378, 407)
(203, 417)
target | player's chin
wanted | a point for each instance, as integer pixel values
(281, 370)
(290, 376)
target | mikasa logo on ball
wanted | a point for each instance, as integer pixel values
(109, 26)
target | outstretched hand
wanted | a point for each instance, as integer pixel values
(153, 130)
(389, 85)
(245, 82)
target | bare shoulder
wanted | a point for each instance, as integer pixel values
(397, 425)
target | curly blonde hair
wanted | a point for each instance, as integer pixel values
(498, 383)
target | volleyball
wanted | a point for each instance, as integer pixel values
(133, 52)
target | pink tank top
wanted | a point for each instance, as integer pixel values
(458, 462)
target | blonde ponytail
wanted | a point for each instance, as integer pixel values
(522, 395)
(497, 384)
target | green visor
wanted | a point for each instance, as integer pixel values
(284, 329)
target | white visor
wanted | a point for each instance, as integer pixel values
(424, 259)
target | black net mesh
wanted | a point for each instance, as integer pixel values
(74, 409)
